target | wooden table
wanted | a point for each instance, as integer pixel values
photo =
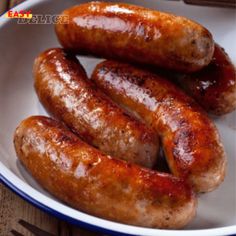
(13, 208)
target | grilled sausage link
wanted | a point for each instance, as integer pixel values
(190, 140)
(88, 180)
(136, 34)
(214, 87)
(65, 91)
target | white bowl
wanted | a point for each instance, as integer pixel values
(19, 46)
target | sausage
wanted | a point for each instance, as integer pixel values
(65, 91)
(90, 181)
(214, 87)
(190, 139)
(136, 34)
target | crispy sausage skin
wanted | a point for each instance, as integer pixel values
(190, 140)
(136, 34)
(65, 91)
(214, 87)
(88, 180)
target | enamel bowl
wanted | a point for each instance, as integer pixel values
(21, 43)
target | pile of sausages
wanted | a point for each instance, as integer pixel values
(99, 152)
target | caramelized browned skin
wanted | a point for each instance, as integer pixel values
(65, 91)
(189, 138)
(86, 179)
(214, 87)
(136, 34)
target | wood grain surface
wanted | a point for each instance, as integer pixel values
(216, 3)
(13, 208)
(12, 3)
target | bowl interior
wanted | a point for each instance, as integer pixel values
(20, 44)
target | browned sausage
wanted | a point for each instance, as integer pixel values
(190, 139)
(65, 91)
(214, 87)
(136, 34)
(86, 179)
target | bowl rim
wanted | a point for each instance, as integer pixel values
(59, 210)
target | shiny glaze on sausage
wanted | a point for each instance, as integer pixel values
(90, 181)
(136, 34)
(214, 87)
(65, 91)
(190, 139)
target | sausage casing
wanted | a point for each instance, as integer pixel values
(136, 34)
(86, 179)
(65, 91)
(213, 87)
(190, 139)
